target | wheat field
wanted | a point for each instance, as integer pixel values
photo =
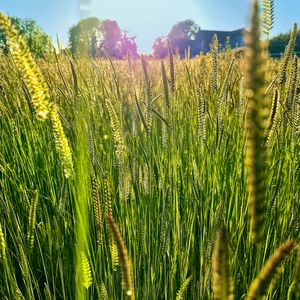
(145, 179)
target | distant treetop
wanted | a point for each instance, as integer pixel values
(279, 42)
(96, 38)
(39, 41)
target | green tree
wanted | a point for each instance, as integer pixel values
(279, 42)
(182, 34)
(39, 41)
(83, 36)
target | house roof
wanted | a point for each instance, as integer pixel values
(204, 38)
(220, 34)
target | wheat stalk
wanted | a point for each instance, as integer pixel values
(261, 283)
(126, 265)
(31, 73)
(256, 152)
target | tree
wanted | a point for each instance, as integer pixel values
(111, 38)
(83, 36)
(116, 44)
(182, 34)
(160, 48)
(39, 42)
(279, 42)
(129, 46)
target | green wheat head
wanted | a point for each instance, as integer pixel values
(120, 151)
(242, 104)
(87, 279)
(201, 115)
(23, 262)
(268, 16)
(165, 84)
(292, 86)
(172, 67)
(32, 220)
(97, 210)
(148, 115)
(62, 144)
(108, 211)
(107, 198)
(120, 148)
(214, 48)
(287, 56)
(103, 292)
(183, 289)
(2, 246)
(273, 121)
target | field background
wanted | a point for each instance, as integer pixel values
(164, 156)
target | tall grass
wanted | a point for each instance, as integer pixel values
(163, 158)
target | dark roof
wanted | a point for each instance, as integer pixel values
(204, 38)
(220, 34)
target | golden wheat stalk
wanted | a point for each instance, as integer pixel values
(261, 283)
(62, 144)
(256, 152)
(221, 280)
(127, 270)
(28, 68)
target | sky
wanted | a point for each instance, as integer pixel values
(147, 19)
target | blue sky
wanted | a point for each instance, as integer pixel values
(147, 19)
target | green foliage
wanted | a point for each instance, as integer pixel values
(92, 37)
(279, 42)
(38, 40)
(186, 30)
(182, 34)
(82, 34)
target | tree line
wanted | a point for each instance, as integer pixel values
(98, 38)
(93, 37)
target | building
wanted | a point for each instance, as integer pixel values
(204, 37)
